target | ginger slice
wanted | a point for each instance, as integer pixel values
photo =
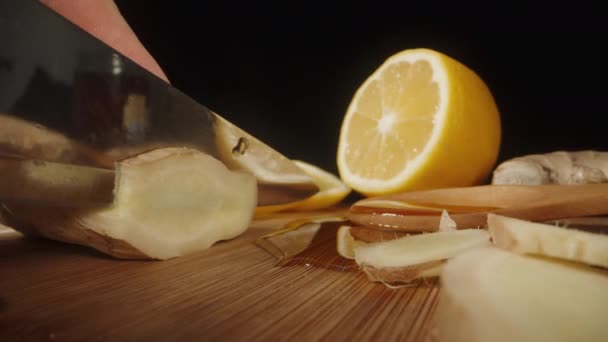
(527, 237)
(403, 260)
(168, 203)
(295, 237)
(348, 237)
(366, 234)
(489, 294)
(346, 243)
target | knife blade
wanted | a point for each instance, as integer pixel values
(56, 183)
(76, 101)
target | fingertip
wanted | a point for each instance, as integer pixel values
(103, 20)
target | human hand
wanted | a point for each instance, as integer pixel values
(102, 19)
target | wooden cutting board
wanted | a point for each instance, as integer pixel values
(232, 291)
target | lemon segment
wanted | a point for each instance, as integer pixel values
(421, 120)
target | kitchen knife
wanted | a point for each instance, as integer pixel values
(71, 101)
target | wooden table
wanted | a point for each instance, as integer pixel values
(232, 291)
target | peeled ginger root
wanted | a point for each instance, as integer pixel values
(489, 294)
(560, 167)
(526, 237)
(168, 203)
(400, 261)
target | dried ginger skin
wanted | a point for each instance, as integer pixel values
(62, 225)
(169, 202)
(560, 167)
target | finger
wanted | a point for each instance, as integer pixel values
(102, 19)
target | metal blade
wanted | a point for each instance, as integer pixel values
(97, 106)
(36, 182)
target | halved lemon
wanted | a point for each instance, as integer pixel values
(331, 192)
(421, 120)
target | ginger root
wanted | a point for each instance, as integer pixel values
(25, 139)
(525, 237)
(489, 294)
(560, 167)
(168, 203)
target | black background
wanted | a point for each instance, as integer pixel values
(286, 73)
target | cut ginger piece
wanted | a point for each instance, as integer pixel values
(346, 243)
(168, 203)
(527, 237)
(400, 261)
(489, 294)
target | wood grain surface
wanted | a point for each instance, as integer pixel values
(230, 292)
